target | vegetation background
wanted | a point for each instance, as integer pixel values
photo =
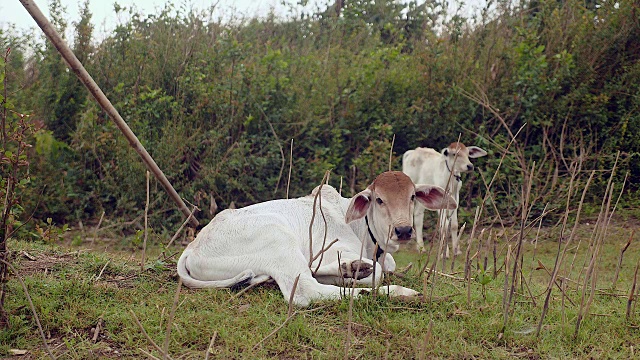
(217, 104)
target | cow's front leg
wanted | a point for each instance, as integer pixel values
(453, 228)
(418, 223)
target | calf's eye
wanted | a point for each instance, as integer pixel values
(379, 201)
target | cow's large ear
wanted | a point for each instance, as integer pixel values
(358, 206)
(476, 152)
(434, 198)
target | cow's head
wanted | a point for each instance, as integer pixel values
(388, 204)
(457, 157)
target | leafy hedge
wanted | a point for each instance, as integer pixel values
(217, 104)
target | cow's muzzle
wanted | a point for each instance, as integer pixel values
(404, 232)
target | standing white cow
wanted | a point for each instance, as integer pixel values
(425, 165)
(271, 240)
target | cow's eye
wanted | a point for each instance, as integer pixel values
(413, 197)
(379, 201)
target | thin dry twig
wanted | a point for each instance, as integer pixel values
(633, 290)
(560, 255)
(184, 223)
(318, 199)
(146, 226)
(33, 308)
(95, 231)
(149, 354)
(97, 330)
(293, 292)
(290, 315)
(165, 345)
(323, 251)
(619, 266)
(213, 339)
(393, 141)
(101, 271)
(290, 167)
(144, 332)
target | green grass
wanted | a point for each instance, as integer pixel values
(69, 300)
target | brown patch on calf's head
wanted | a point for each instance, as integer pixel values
(457, 146)
(391, 179)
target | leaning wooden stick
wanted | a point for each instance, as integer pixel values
(76, 66)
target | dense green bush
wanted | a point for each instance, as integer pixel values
(217, 104)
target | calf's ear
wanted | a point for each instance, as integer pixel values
(434, 198)
(476, 152)
(358, 206)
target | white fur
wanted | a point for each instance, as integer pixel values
(425, 165)
(271, 240)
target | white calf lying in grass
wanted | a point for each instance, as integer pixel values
(444, 168)
(271, 240)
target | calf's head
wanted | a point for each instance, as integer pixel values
(388, 204)
(457, 157)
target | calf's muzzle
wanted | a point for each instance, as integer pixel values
(404, 232)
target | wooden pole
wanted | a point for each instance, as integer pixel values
(76, 66)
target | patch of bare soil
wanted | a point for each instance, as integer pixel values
(30, 265)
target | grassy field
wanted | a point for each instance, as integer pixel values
(74, 289)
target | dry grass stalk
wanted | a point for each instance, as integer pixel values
(184, 223)
(393, 141)
(290, 167)
(495, 256)
(633, 290)
(148, 354)
(323, 251)
(517, 264)
(95, 231)
(578, 214)
(290, 315)
(165, 345)
(526, 285)
(144, 332)
(373, 274)
(33, 308)
(467, 260)
(347, 344)
(317, 199)
(213, 339)
(561, 254)
(427, 340)
(563, 285)
(619, 266)
(293, 292)
(98, 328)
(541, 266)
(102, 271)
(535, 241)
(506, 285)
(593, 254)
(146, 226)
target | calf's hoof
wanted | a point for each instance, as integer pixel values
(356, 269)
